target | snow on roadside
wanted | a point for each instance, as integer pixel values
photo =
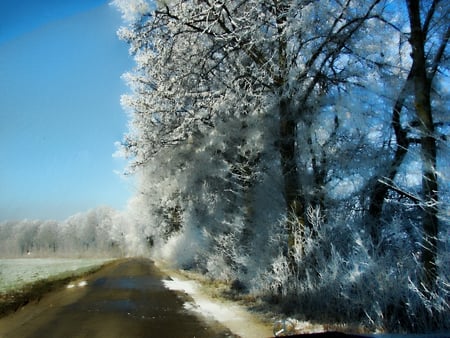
(242, 322)
(233, 316)
(16, 272)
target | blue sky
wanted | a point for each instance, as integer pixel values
(60, 114)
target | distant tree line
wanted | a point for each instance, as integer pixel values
(81, 235)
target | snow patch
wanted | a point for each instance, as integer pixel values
(79, 284)
(82, 284)
(234, 317)
(292, 326)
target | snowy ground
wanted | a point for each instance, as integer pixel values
(243, 323)
(14, 273)
(230, 315)
(246, 324)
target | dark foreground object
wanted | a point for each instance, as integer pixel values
(328, 335)
(125, 299)
(346, 335)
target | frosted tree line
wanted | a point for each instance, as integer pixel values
(299, 147)
(99, 232)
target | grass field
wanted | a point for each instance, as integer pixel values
(16, 273)
(26, 279)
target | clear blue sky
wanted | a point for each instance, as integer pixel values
(60, 114)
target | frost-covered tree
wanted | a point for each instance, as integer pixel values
(203, 67)
(273, 141)
(47, 237)
(425, 37)
(422, 78)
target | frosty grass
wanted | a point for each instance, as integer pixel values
(15, 273)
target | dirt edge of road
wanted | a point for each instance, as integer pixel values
(247, 323)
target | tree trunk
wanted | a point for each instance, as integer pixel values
(288, 156)
(295, 207)
(422, 90)
(380, 189)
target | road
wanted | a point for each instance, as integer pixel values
(124, 299)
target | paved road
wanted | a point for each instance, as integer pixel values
(125, 299)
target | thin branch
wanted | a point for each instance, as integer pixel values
(391, 185)
(439, 54)
(426, 24)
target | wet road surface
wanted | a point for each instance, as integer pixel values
(124, 299)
